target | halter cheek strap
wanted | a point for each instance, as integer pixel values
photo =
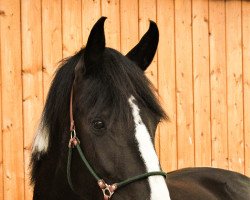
(108, 190)
(72, 123)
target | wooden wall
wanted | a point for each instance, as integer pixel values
(201, 71)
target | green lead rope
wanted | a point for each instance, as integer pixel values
(91, 170)
(140, 177)
(69, 170)
(87, 163)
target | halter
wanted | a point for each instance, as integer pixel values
(108, 190)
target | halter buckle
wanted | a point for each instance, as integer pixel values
(107, 190)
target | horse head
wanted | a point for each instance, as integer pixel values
(115, 115)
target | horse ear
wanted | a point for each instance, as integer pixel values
(95, 46)
(143, 53)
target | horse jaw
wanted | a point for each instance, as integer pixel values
(41, 141)
(158, 186)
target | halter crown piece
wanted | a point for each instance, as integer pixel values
(108, 190)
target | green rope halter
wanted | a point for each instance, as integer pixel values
(108, 190)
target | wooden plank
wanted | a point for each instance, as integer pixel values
(111, 9)
(246, 79)
(201, 83)
(32, 78)
(129, 25)
(72, 26)
(166, 81)
(12, 100)
(234, 86)
(184, 83)
(52, 40)
(91, 12)
(218, 84)
(1, 134)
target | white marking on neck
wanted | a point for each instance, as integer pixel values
(158, 186)
(41, 140)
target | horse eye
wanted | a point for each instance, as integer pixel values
(98, 124)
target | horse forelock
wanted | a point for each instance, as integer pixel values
(112, 82)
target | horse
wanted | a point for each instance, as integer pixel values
(96, 134)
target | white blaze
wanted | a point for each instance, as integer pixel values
(158, 186)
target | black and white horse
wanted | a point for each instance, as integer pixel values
(115, 117)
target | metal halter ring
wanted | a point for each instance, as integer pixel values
(107, 190)
(72, 134)
(73, 141)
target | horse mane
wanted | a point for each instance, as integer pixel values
(109, 85)
(55, 115)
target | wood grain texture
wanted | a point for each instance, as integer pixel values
(51, 39)
(201, 83)
(201, 73)
(218, 81)
(91, 12)
(234, 86)
(1, 134)
(12, 125)
(32, 78)
(184, 83)
(111, 9)
(71, 27)
(129, 25)
(246, 80)
(166, 83)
